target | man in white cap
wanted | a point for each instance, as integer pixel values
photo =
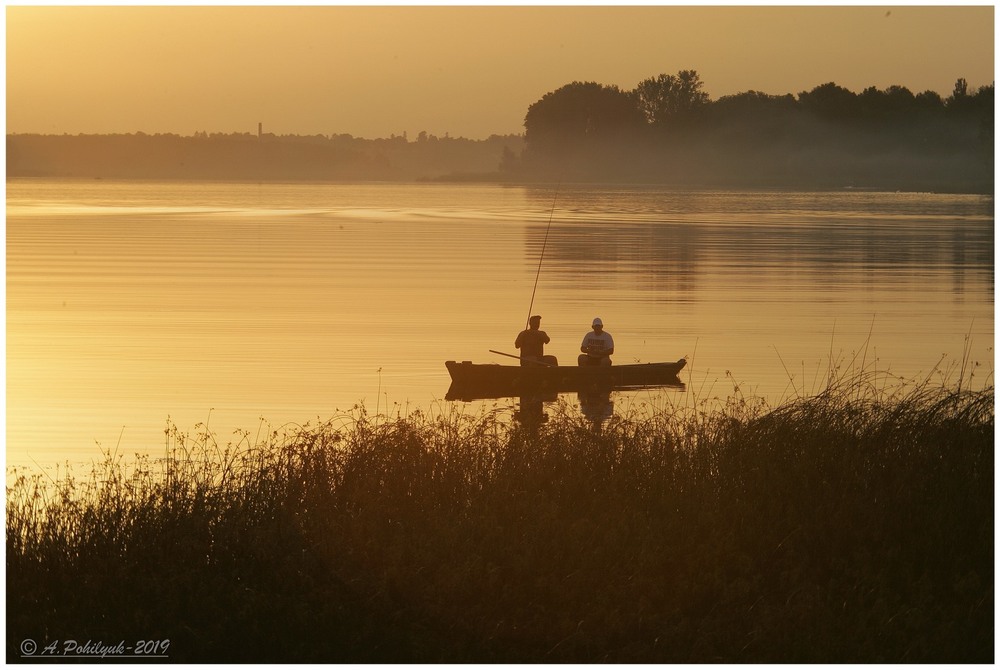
(597, 346)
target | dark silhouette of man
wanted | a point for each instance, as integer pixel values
(532, 342)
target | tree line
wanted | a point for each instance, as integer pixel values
(254, 157)
(667, 129)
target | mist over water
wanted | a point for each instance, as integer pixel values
(229, 304)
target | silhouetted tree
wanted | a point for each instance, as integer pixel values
(961, 89)
(977, 108)
(581, 115)
(668, 98)
(893, 102)
(751, 118)
(831, 102)
(929, 101)
(752, 104)
(961, 102)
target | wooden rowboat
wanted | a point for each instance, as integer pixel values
(473, 381)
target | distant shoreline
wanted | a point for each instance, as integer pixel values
(500, 179)
(703, 163)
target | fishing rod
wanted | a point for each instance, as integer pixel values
(541, 256)
(531, 360)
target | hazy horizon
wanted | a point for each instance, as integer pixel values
(377, 71)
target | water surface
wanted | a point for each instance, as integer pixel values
(129, 303)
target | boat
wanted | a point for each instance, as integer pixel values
(543, 380)
(475, 381)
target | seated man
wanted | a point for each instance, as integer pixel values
(597, 346)
(532, 342)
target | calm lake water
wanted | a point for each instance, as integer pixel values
(130, 303)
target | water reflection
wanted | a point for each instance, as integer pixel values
(594, 399)
(531, 410)
(596, 406)
(128, 303)
(673, 238)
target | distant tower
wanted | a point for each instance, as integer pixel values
(260, 129)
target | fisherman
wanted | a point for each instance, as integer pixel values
(532, 342)
(597, 346)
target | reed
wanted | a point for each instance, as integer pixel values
(852, 525)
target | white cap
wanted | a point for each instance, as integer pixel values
(597, 322)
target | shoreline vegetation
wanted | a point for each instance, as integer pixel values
(666, 131)
(853, 525)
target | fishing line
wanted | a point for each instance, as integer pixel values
(545, 241)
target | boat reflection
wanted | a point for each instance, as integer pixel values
(595, 400)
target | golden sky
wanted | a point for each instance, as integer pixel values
(468, 71)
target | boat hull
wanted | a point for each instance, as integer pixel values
(473, 381)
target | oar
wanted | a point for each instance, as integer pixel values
(522, 358)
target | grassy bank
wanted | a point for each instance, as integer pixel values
(852, 526)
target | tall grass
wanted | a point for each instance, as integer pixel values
(853, 525)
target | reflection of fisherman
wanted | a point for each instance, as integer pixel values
(596, 406)
(597, 346)
(531, 413)
(532, 342)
